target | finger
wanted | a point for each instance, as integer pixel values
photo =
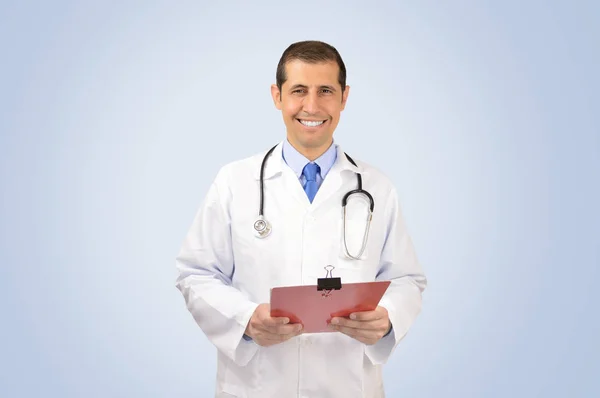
(277, 338)
(367, 315)
(281, 329)
(356, 324)
(356, 333)
(269, 321)
(285, 329)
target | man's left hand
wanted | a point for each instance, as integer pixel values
(367, 327)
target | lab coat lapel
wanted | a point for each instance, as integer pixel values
(274, 164)
(340, 172)
(283, 176)
(331, 184)
(293, 187)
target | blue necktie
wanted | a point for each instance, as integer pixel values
(310, 172)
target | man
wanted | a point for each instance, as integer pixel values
(226, 271)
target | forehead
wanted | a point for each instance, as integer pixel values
(322, 73)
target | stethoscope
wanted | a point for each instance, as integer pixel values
(262, 227)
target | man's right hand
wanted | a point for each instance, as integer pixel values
(267, 331)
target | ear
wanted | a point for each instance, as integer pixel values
(345, 96)
(276, 94)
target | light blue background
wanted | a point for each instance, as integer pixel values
(114, 118)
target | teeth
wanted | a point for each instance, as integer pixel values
(311, 124)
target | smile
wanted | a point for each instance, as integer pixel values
(311, 123)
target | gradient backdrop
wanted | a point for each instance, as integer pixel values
(115, 117)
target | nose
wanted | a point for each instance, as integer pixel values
(311, 103)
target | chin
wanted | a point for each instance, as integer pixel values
(314, 141)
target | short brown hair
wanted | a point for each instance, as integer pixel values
(313, 52)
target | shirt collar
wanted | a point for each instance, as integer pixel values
(296, 161)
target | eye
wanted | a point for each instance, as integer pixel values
(298, 91)
(326, 91)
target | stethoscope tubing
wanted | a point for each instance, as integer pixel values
(263, 228)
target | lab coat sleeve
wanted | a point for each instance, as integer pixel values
(398, 264)
(205, 268)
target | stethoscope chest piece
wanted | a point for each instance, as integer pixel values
(262, 228)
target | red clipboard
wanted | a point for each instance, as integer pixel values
(314, 308)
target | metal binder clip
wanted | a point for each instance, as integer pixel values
(329, 282)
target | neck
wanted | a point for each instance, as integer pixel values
(311, 153)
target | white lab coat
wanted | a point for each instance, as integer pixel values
(225, 272)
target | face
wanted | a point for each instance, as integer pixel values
(311, 101)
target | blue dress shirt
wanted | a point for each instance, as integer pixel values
(296, 161)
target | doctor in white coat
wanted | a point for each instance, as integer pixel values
(226, 271)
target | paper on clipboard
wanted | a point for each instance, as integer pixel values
(314, 308)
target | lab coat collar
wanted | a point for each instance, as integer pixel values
(345, 164)
(276, 163)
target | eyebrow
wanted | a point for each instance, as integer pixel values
(296, 86)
